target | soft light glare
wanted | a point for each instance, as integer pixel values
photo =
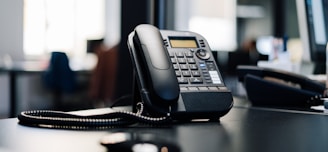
(220, 33)
(250, 11)
(264, 45)
(62, 25)
(213, 19)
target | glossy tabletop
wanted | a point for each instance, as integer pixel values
(243, 129)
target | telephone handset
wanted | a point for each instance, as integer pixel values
(175, 78)
(272, 87)
(153, 69)
(176, 74)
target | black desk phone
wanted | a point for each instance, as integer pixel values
(175, 73)
(175, 78)
(273, 87)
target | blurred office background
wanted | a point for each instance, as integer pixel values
(31, 30)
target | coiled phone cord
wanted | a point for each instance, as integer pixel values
(57, 119)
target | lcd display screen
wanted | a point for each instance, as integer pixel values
(183, 42)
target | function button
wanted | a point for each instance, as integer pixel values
(202, 66)
(213, 73)
(207, 78)
(202, 43)
(209, 81)
(193, 88)
(223, 88)
(203, 88)
(182, 80)
(215, 77)
(171, 54)
(216, 81)
(166, 44)
(213, 88)
(210, 66)
(196, 80)
(183, 88)
(192, 50)
(206, 74)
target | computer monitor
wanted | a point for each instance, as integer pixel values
(313, 26)
(94, 44)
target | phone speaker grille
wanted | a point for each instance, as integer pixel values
(207, 101)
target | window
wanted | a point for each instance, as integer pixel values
(214, 19)
(62, 25)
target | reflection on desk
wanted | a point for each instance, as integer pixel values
(241, 130)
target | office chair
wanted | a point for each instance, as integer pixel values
(59, 77)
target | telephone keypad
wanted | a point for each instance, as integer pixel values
(193, 71)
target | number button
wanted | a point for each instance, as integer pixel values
(182, 80)
(193, 66)
(191, 60)
(189, 54)
(195, 73)
(182, 60)
(183, 67)
(186, 74)
(196, 80)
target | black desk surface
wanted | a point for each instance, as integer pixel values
(241, 130)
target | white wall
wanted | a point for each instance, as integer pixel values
(112, 22)
(11, 29)
(11, 43)
(4, 95)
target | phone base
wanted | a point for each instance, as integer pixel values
(202, 105)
